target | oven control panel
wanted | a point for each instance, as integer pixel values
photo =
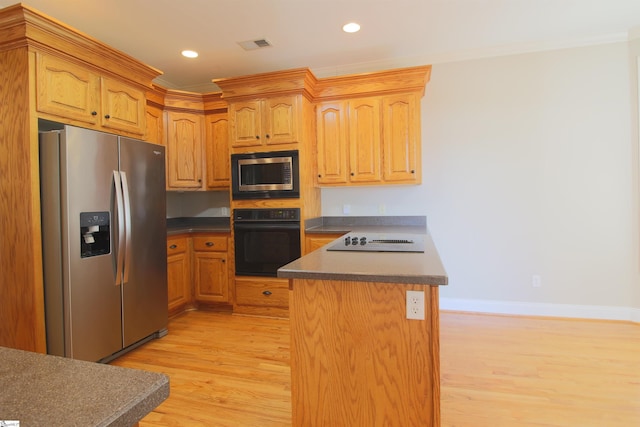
(273, 214)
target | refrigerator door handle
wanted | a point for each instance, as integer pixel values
(121, 227)
(127, 215)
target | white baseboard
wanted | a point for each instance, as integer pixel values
(541, 309)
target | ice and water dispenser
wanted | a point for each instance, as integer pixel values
(95, 234)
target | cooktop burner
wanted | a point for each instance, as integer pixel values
(379, 242)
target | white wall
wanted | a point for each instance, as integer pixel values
(529, 167)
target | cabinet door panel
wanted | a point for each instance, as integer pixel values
(184, 150)
(217, 151)
(211, 276)
(401, 150)
(280, 120)
(364, 140)
(66, 90)
(178, 281)
(332, 143)
(154, 126)
(245, 122)
(123, 107)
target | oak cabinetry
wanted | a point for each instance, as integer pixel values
(365, 152)
(184, 133)
(264, 296)
(66, 90)
(51, 71)
(263, 122)
(210, 268)
(155, 125)
(217, 152)
(178, 274)
(331, 142)
(318, 240)
(373, 140)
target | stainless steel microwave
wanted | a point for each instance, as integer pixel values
(267, 175)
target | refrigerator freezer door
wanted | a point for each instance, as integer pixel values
(92, 298)
(145, 308)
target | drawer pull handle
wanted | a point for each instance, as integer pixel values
(106, 116)
(94, 113)
(209, 244)
(173, 246)
(267, 293)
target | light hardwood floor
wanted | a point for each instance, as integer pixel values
(229, 370)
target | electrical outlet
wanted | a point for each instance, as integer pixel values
(536, 281)
(415, 305)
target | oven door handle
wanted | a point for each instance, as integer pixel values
(250, 225)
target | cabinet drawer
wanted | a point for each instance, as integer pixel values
(177, 245)
(263, 292)
(210, 243)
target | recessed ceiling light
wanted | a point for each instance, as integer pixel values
(190, 53)
(351, 27)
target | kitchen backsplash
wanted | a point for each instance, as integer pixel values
(197, 204)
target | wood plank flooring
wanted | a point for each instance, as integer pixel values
(229, 370)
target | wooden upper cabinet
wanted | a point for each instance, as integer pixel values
(374, 140)
(217, 154)
(155, 125)
(184, 150)
(66, 90)
(401, 137)
(69, 91)
(332, 143)
(281, 120)
(263, 122)
(123, 107)
(364, 140)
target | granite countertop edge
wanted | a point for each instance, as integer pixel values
(44, 390)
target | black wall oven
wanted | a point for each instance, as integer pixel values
(268, 175)
(265, 240)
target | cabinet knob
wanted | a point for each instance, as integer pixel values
(319, 176)
(413, 171)
(257, 136)
(173, 246)
(209, 244)
(106, 116)
(94, 113)
(267, 135)
(352, 174)
(267, 293)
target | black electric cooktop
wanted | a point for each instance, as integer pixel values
(379, 242)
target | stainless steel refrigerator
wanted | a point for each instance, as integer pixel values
(104, 241)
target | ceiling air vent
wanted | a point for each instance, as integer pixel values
(255, 44)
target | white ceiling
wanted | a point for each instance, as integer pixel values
(307, 33)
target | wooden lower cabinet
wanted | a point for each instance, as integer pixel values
(178, 274)
(210, 271)
(198, 272)
(316, 241)
(262, 296)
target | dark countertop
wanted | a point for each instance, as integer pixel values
(198, 225)
(378, 224)
(389, 267)
(43, 390)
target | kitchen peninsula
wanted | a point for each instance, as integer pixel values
(355, 357)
